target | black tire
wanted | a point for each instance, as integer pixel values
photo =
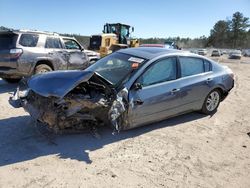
(12, 80)
(214, 103)
(42, 69)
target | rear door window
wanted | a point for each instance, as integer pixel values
(52, 42)
(28, 40)
(191, 66)
(7, 41)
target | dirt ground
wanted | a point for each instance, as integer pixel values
(191, 150)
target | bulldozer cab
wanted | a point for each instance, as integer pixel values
(114, 37)
(121, 30)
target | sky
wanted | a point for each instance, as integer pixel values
(150, 18)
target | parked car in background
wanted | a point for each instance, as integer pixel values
(153, 45)
(224, 52)
(26, 52)
(216, 53)
(236, 54)
(171, 45)
(202, 52)
(167, 45)
(127, 89)
(194, 51)
(246, 52)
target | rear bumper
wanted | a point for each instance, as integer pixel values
(234, 57)
(225, 93)
(215, 55)
(8, 64)
(7, 72)
(13, 69)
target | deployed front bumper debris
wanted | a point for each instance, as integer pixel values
(117, 110)
(71, 100)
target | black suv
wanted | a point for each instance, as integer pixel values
(24, 53)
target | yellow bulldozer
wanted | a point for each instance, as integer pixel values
(115, 36)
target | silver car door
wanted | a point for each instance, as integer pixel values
(56, 53)
(158, 97)
(196, 81)
(77, 58)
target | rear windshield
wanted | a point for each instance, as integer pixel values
(28, 40)
(7, 41)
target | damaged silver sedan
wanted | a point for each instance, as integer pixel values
(126, 89)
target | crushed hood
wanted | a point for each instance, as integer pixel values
(58, 83)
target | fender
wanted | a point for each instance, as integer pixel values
(31, 71)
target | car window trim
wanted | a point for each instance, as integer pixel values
(160, 83)
(196, 75)
(210, 65)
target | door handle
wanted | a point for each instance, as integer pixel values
(138, 102)
(209, 80)
(174, 91)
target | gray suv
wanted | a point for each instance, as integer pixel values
(24, 53)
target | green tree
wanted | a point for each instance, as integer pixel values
(2, 28)
(239, 25)
(219, 35)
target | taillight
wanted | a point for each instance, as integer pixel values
(15, 53)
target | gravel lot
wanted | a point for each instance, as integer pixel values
(192, 150)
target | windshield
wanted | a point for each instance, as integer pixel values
(116, 67)
(124, 31)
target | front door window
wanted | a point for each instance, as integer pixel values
(161, 71)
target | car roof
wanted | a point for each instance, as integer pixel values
(29, 32)
(149, 52)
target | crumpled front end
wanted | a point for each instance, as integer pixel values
(75, 111)
(84, 103)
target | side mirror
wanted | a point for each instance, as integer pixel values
(133, 29)
(137, 86)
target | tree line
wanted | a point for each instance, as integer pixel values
(230, 33)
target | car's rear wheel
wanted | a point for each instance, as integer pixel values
(211, 102)
(92, 62)
(40, 69)
(12, 80)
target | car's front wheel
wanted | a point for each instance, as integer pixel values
(211, 102)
